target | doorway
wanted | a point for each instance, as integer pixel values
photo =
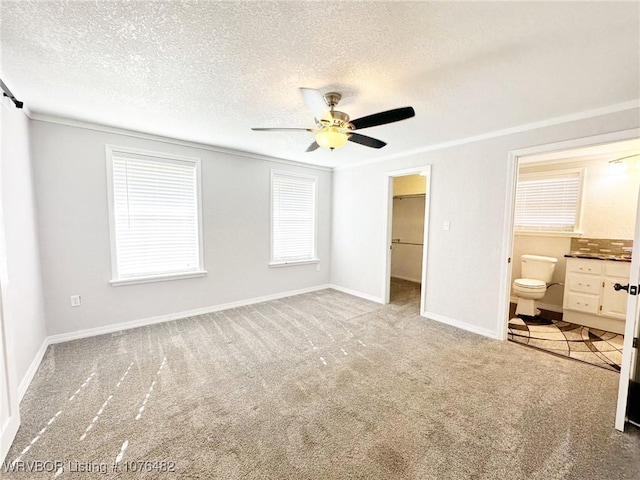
(407, 233)
(592, 255)
(578, 202)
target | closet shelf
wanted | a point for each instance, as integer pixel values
(410, 195)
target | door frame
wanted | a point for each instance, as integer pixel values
(425, 170)
(502, 327)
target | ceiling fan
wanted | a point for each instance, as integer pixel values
(334, 129)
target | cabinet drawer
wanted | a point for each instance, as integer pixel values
(581, 265)
(582, 303)
(617, 269)
(579, 282)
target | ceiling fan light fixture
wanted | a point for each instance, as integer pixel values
(333, 129)
(331, 138)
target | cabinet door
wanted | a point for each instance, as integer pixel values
(617, 269)
(614, 303)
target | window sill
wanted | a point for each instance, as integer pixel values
(292, 263)
(538, 233)
(157, 278)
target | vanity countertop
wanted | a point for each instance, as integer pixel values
(599, 256)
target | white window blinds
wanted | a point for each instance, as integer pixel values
(155, 218)
(548, 202)
(293, 218)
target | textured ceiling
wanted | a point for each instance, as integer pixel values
(209, 71)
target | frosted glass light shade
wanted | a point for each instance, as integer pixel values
(331, 137)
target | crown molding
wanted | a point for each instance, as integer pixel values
(583, 115)
(159, 138)
(597, 112)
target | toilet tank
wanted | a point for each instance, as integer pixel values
(538, 267)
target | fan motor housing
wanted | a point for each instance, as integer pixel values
(338, 119)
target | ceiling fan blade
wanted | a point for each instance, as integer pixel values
(367, 141)
(382, 118)
(314, 101)
(313, 146)
(283, 129)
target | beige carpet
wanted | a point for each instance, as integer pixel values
(321, 385)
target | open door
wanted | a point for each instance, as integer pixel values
(9, 406)
(9, 412)
(629, 390)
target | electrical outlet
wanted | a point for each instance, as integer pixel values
(318, 267)
(446, 225)
(75, 300)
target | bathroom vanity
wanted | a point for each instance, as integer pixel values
(589, 296)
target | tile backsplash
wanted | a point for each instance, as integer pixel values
(601, 246)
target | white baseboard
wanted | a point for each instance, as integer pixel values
(33, 368)
(356, 293)
(117, 327)
(462, 325)
(414, 280)
(544, 306)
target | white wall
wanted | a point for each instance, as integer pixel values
(71, 189)
(610, 196)
(468, 189)
(20, 275)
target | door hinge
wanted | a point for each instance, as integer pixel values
(600, 307)
(635, 342)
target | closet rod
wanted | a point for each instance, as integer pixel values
(397, 240)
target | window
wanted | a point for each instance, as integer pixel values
(549, 202)
(155, 220)
(293, 218)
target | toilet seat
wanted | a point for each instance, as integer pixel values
(528, 290)
(529, 283)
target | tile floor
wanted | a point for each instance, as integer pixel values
(590, 345)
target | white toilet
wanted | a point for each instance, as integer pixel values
(536, 275)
